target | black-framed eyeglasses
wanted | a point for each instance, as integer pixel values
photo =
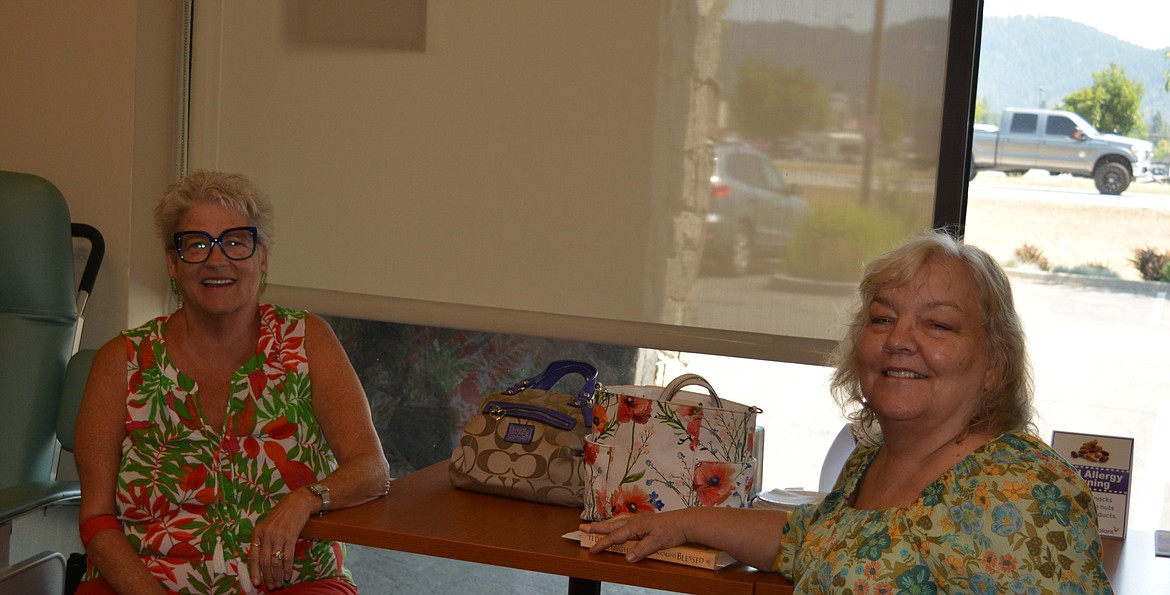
(237, 243)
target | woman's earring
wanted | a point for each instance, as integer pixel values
(175, 290)
(263, 280)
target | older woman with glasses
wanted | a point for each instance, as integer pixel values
(207, 437)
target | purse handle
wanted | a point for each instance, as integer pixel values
(677, 384)
(553, 374)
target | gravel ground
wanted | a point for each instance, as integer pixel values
(1068, 235)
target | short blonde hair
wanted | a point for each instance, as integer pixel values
(1008, 405)
(232, 191)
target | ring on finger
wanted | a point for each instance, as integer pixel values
(278, 555)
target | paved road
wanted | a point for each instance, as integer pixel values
(1070, 191)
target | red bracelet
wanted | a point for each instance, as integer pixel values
(96, 524)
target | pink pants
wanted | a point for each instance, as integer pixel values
(328, 586)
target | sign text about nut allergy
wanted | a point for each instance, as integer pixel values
(1104, 462)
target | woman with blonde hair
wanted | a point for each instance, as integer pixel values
(207, 437)
(949, 490)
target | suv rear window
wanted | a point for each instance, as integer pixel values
(744, 168)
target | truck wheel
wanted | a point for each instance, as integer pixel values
(1112, 178)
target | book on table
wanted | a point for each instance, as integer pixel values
(695, 555)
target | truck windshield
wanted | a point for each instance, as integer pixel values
(1084, 125)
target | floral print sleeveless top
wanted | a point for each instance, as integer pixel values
(1011, 517)
(188, 494)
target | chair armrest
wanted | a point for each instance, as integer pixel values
(20, 499)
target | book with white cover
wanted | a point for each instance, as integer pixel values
(689, 554)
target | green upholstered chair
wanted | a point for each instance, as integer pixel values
(39, 323)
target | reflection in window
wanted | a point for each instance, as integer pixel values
(845, 108)
(580, 166)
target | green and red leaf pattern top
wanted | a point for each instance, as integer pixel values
(183, 484)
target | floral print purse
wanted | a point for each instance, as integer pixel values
(655, 449)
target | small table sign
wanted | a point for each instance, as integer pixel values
(1104, 462)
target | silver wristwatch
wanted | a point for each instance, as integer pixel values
(321, 490)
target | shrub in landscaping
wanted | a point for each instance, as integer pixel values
(836, 239)
(1091, 269)
(1029, 254)
(1151, 264)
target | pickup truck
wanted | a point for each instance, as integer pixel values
(1059, 142)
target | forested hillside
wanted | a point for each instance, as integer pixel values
(1025, 61)
(1022, 55)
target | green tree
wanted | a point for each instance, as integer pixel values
(1162, 151)
(1160, 136)
(1159, 127)
(1112, 104)
(1167, 72)
(892, 120)
(982, 111)
(774, 102)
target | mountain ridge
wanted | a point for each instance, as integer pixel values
(1019, 55)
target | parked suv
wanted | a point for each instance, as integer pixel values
(753, 211)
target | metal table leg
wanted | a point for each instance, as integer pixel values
(581, 586)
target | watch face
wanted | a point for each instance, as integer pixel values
(322, 491)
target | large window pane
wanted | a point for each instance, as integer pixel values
(546, 168)
(1097, 331)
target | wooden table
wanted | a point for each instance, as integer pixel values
(1132, 566)
(423, 514)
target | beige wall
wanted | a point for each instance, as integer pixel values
(88, 103)
(91, 105)
(524, 128)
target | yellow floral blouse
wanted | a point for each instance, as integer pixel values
(1012, 517)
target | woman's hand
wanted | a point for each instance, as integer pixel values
(274, 540)
(750, 536)
(653, 532)
(362, 474)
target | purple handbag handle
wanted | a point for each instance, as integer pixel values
(560, 368)
(557, 370)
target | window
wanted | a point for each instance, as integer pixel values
(1060, 126)
(772, 179)
(745, 168)
(1097, 333)
(1024, 123)
(559, 178)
